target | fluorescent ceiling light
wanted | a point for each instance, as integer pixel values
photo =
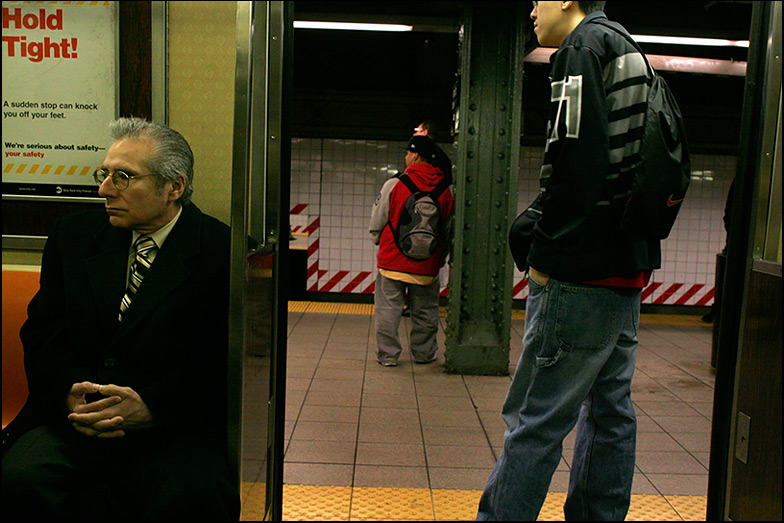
(683, 40)
(345, 26)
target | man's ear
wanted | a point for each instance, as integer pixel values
(178, 188)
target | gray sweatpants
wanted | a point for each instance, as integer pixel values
(389, 303)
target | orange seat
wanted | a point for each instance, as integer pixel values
(19, 287)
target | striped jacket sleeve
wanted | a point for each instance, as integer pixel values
(596, 121)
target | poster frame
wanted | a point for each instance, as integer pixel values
(76, 198)
(142, 39)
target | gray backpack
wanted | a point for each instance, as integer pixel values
(420, 226)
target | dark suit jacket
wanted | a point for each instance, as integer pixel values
(171, 347)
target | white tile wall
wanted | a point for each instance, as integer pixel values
(338, 180)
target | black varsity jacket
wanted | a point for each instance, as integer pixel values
(599, 86)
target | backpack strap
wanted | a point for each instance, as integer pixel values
(409, 183)
(437, 191)
(406, 180)
(606, 23)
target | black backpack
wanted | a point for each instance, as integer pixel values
(664, 173)
(420, 226)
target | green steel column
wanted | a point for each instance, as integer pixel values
(488, 127)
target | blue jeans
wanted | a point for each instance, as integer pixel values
(576, 368)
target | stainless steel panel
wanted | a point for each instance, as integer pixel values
(767, 229)
(239, 226)
(266, 73)
(258, 300)
(259, 123)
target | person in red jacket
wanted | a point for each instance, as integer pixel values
(397, 272)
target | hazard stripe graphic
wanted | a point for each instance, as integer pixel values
(353, 284)
(667, 293)
(22, 168)
(684, 299)
(363, 282)
(708, 298)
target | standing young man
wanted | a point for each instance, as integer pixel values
(585, 281)
(397, 272)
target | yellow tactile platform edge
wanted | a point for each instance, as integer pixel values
(329, 503)
(331, 308)
(368, 309)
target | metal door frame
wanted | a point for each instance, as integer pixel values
(747, 237)
(261, 165)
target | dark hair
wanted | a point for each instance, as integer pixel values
(591, 7)
(432, 129)
(172, 157)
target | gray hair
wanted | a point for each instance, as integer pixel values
(172, 156)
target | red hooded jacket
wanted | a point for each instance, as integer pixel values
(387, 210)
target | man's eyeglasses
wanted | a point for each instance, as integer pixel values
(120, 179)
(536, 4)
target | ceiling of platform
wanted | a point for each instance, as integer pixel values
(364, 84)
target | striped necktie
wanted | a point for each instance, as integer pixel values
(144, 246)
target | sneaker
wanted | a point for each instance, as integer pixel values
(429, 360)
(387, 363)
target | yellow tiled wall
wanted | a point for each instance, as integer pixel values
(201, 95)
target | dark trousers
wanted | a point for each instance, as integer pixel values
(53, 472)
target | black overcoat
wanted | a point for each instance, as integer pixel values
(171, 346)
